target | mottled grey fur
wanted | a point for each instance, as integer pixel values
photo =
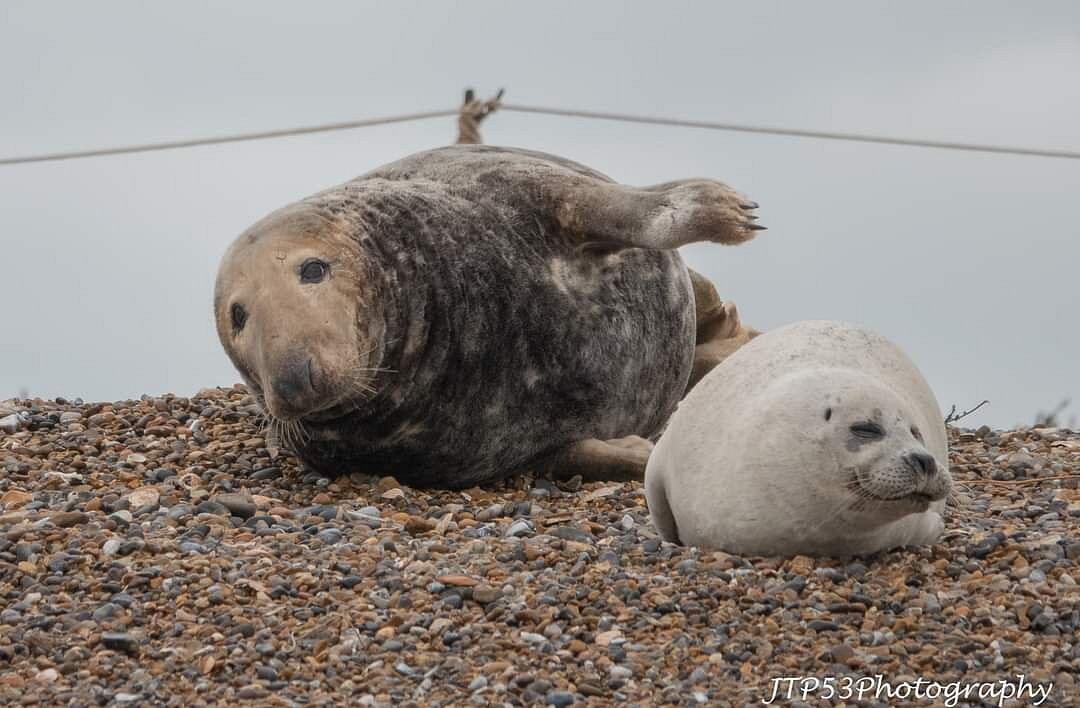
(522, 304)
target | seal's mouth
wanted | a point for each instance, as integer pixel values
(327, 414)
(918, 499)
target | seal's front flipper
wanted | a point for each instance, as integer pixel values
(665, 216)
(659, 510)
(620, 460)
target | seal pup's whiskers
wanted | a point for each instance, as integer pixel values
(848, 501)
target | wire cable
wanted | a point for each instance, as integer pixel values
(621, 117)
(824, 135)
(236, 138)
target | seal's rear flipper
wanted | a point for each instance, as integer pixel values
(472, 112)
(590, 210)
(720, 332)
(620, 460)
(665, 216)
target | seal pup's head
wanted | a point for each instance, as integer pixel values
(881, 458)
(296, 314)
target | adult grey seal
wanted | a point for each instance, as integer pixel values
(470, 312)
(817, 438)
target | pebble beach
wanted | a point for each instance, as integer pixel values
(163, 552)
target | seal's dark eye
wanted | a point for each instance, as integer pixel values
(828, 413)
(867, 430)
(916, 434)
(314, 271)
(239, 317)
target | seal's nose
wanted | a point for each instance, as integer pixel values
(294, 382)
(923, 463)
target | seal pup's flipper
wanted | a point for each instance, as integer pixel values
(659, 509)
(619, 460)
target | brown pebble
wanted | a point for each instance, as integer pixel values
(66, 519)
(841, 653)
(15, 498)
(484, 594)
(386, 484)
(418, 525)
(457, 580)
(250, 692)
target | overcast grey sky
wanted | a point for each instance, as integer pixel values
(968, 261)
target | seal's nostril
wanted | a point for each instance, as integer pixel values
(293, 381)
(311, 373)
(924, 463)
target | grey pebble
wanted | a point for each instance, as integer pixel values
(686, 567)
(329, 536)
(212, 507)
(192, 548)
(179, 511)
(521, 527)
(238, 504)
(494, 511)
(105, 612)
(266, 474)
(120, 641)
(569, 533)
(559, 699)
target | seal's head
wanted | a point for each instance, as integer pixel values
(296, 314)
(879, 456)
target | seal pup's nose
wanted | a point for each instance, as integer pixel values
(923, 463)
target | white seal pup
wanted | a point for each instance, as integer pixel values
(817, 438)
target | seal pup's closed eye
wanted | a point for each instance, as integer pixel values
(818, 438)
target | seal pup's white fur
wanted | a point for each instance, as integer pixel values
(817, 438)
